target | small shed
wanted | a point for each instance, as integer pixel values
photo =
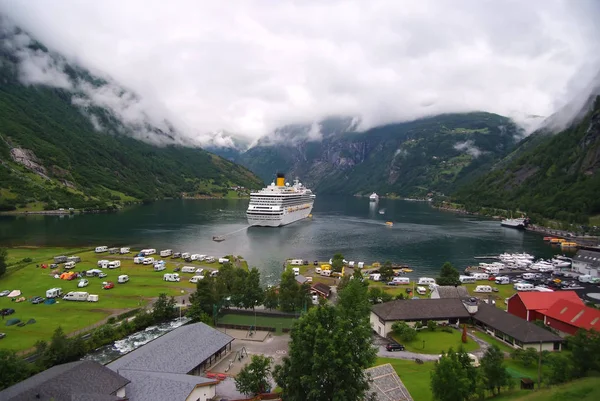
(322, 289)
(300, 279)
(527, 384)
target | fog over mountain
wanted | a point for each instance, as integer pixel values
(218, 70)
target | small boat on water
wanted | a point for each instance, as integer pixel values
(389, 223)
(382, 211)
(218, 238)
(548, 238)
(566, 244)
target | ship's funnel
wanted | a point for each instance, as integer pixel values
(280, 180)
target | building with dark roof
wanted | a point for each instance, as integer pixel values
(587, 262)
(449, 291)
(386, 384)
(514, 330)
(300, 279)
(532, 305)
(323, 289)
(384, 315)
(568, 317)
(74, 381)
(168, 367)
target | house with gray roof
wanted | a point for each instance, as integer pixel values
(74, 381)
(386, 384)
(587, 262)
(449, 291)
(169, 367)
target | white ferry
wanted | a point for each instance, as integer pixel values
(279, 204)
(374, 197)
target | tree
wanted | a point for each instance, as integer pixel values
(253, 294)
(238, 288)
(495, 375)
(464, 337)
(448, 275)
(561, 368)
(288, 291)
(431, 325)
(164, 308)
(404, 331)
(3, 256)
(583, 344)
(386, 271)
(377, 295)
(205, 297)
(449, 380)
(253, 379)
(271, 298)
(337, 262)
(329, 350)
(12, 369)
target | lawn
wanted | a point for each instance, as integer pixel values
(262, 321)
(415, 377)
(492, 340)
(504, 291)
(144, 284)
(38, 254)
(579, 390)
(434, 342)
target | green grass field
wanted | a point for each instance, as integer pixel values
(587, 389)
(437, 341)
(38, 254)
(492, 340)
(144, 284)
(278, 323)
(415, 377)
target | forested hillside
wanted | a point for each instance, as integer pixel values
(558, 178)
(407, 159)
(58, 147)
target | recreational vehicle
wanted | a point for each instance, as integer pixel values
(188, 269)
(165, 253)
(171, 277)
(426, 281)
(125, 250)
(361, 265)
(585, 278)
(150, 251)
(326, 273)
(529, 276)
(214, 273)
(502, 280)
(60, 259)
(296, 262)
(194, 256)
(483, 288)
(123, 278)
(200, 272)
(375, 276)
(138, 260)
(148, 261)
(76, 296)
(523, 287)
(54, 293)
(185, 255)
(351, 263)
(223, 260)
(210, 259)
(103, 264)
(195, 279)
(318, 270)
(112, 251)
(113, 264)
(467, 279)
(421, 290)
(158, 267)
(92, 298)
(481, 276)
(69, 265)
(401, 280)
(100, 249)
(75, 259)
(92, 272)
(296, 271)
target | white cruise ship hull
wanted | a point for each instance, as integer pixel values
(288, 217)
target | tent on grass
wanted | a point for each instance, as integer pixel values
(14, 293)
(11, 322)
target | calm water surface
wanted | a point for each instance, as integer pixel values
(421, 236)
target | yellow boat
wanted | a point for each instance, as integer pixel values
(405, 270)
(389, 223)
(557, 240)
(568, 244)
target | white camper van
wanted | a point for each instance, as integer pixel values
(374, 276)
(69, 265)
(150, 251)
(76, 296)
(296, 262)
(585, 278)
(326, 273)
(529, 276)
(318, 270)
(166, 252)
(421, 290)
(502, 280)
(223, 260)
(200, 272)
(171, 277)
(467, 279)
(92, 298)
(113, 264)
(481, 276)
(401, 280)
(158, 267)
(194, 256)
(361, 265)
(148, 261)
(103, 263)
(351, 263)
(100, 249)
(54, 293)
(124, 250)
(188, 269)
(425, 281)
(185, 255)
(214, 273)
(483, 288)
(123, 278)
(138, 260)
(523, 287)
(195, 279)
(296, 271)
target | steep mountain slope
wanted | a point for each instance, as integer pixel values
(59, 145)
(408, 159)
(555, 176)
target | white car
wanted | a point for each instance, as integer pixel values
(102, 275)
(83, 283)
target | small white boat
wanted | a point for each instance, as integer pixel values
(382, 211)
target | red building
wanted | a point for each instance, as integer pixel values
(567, 317)
(533, 305)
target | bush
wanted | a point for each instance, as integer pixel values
(418, 325)
(431, 325)
(111, 320)
(446, 329)
(27, 260)
(404, 331)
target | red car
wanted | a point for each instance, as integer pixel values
(108, 285)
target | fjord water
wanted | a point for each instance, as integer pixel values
(421, 237)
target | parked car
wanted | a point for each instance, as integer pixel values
(37, 300)
(108, 285)
(83, 283)
(177, 269)
(392, 283)
(102, 275)
(7, 311)
(4, 293)
(394, 347)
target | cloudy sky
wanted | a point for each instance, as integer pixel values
(249, 66)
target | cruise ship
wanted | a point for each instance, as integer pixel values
(374, 197)
(279, 204)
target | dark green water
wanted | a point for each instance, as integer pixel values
(421, 237)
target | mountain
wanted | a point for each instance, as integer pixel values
(549, 175)
(408, 159)
(72, 139)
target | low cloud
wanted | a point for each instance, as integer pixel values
(468, 148)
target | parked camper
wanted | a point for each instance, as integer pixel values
(103, 263)
(318, 270)
(113, 264)
(361, 265)
(375, 276)
(60, 259)
(296, 271)
(195, 256)
(75, 259)
(480, 276)
(425, 281)
(185, 255)
(100, 249)
(421, 290)
(529, 276)
(76, 296)
(171, 277)
(223, 260)
(158, 267)
(113, 251)
(138, 260)
(401, 280)
(195, 279)
(166, 252)
(523, 287)
(210, 259)
(326, 273)
(92, 298)
(351, 263)
(54, 293)
(93, 272)
(492, 269)
(148, 261)
(483, 288)
(151, 251)
(176, 255)
(296, 262)
(214, 273)
(188, 269)
(123, 278)
(69, 265)
(124, 250)
(585, 278)
(466, 279)
(200, 272)
(502, 280)
(309, 279)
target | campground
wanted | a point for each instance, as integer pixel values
(144, 285)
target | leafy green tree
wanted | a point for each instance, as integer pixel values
(495, 375)
(337, 262)
(3, 256)
(583, 344)
(253, 379)
(271, 298)
(205, 297)
(343, 282)
(238, 288)
(377, 295)
(164, 308)
(404, 331)
(431, 325)
(288, 291)
(448, 275)
(561, 368)
(449, 379)
(528, 357)
(253, 294)
(12, 369)
(386, 271)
